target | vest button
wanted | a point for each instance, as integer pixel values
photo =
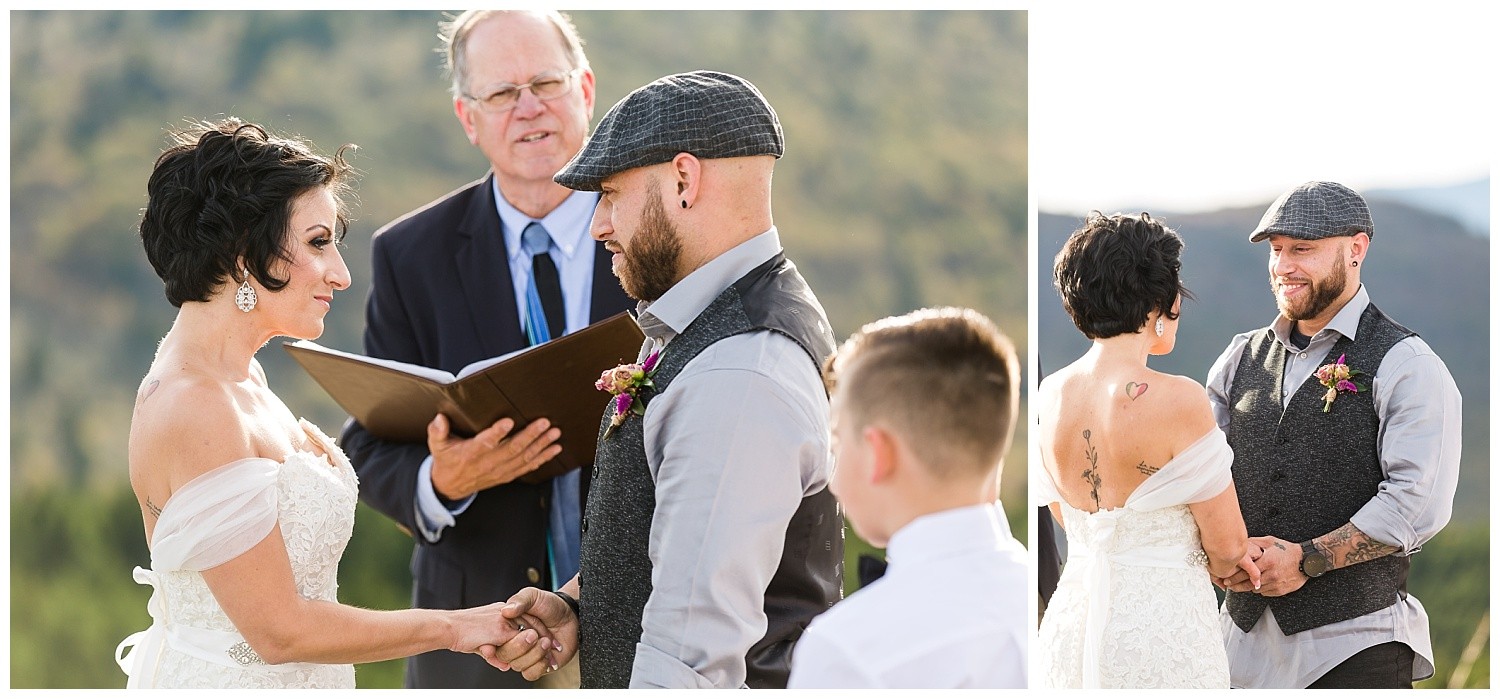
(1272, 511)
(533, 575)
(585, 526)
(543, 501)
(1278, 474)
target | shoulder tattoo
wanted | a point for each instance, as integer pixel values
(149, 389)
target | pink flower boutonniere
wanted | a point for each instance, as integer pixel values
(1339, 378)
(623, 382)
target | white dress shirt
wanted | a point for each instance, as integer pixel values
(733, 446)
(1419, 441)
(913, 628)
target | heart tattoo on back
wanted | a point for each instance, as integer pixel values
(1135, 390)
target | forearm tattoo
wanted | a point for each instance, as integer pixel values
(1347, 546)
(1091, 474)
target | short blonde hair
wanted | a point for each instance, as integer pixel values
(945, 379)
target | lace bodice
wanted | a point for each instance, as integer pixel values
(219, 515)
(1135, 607)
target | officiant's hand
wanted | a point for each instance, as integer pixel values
(462, 467)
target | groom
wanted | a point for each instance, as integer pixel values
(709, 537)
(1345, 429)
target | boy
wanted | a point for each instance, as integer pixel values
(923, 407)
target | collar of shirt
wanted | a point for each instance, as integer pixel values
(942, 534)
(662, 319)
(568, 224)
(1345, 322)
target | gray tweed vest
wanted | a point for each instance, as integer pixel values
(615, 571)
(1301, 473)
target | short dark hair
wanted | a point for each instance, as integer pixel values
(946, 379)
(224, 192)
(1115, 270)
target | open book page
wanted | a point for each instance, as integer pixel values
(429, 373)
(483, 364)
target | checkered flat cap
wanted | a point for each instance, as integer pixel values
(705, 113)
(1316, 210)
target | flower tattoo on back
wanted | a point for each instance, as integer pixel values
(1091, 474)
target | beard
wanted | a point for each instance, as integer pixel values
(1320, 294)
(652, 260)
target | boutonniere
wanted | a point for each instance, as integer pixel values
(623, 382)
(1339, 378)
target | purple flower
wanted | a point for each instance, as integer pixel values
(1347, 385)
(622, 403)
(650, 362)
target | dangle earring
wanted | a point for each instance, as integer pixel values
(244, 297)
(1161, 326)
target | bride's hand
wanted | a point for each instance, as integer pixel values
(1246, 577)
(1247, 564)
(479, 629)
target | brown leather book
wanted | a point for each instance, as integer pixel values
(555, 380)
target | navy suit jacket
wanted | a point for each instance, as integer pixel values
(441, 296)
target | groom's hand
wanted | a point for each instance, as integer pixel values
(462, 467)
(554, 647)
(1280, 567)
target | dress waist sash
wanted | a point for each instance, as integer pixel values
(1099, 559)
(140, 654)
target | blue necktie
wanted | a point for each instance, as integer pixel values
(544, 321)
(544, 302)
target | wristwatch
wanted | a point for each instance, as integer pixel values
(1314, 563)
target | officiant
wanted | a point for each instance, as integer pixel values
(500, 264)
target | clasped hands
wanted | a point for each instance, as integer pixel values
(1271, 567)
(547, 639)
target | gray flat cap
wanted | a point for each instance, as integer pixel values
(1316, 210)
(706, 113)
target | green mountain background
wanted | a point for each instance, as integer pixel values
(1425, 270)
(903, 186)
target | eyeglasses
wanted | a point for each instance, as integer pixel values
(547, 86)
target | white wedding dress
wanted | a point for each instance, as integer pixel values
(1135, 606)
(216, 517)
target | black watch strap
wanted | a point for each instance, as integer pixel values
(1320, 562)
(569, 599)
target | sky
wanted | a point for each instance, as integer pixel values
(1187, 108)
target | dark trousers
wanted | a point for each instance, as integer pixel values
(1386, 666)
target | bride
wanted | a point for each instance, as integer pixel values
(1137, 473)
(247, 509)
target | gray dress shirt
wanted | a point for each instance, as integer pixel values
(1419, 442)
(733, 447)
